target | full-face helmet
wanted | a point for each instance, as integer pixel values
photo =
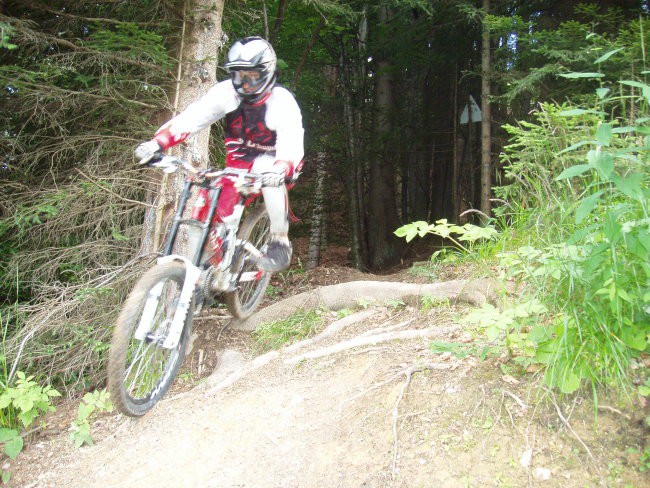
(252, 62)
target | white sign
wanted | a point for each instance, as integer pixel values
(473, 110)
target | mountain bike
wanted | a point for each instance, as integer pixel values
(152, 332)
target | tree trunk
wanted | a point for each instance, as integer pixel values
(202, 36)
(315, 237)
(486, 129)
(305, 53)
(382, 206)
(278, 21)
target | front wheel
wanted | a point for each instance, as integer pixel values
(252, 282)
(140, 369)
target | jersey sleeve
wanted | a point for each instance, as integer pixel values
(285, 118)
(214, 105)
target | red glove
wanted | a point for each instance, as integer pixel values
(291, 173)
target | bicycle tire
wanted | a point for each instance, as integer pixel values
(135, 394)
(242, 302)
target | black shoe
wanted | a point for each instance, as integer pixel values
(277, 257)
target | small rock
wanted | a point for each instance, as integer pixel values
(542, 474)
(526, 457)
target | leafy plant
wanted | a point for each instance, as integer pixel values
(462, 350)
(20, 405)
(24, 402)
(591, 271)
(429, 302)
(468, 233)
(520, 324)
(91, 404)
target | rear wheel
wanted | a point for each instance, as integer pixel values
(141, 370)
(243, 301)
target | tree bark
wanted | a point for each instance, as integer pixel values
(197, 75)
(315, 236)
(486, 129)
(382, 205)
(278, 21)
(305, 54)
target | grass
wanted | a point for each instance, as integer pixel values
(273, 335)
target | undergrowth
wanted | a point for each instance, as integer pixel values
(573, 235)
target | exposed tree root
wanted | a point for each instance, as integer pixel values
(348, 295)
(371, 341)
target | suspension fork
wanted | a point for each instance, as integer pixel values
(203, 225)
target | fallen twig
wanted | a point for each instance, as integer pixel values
(568, 426)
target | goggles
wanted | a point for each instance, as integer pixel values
(252, 77)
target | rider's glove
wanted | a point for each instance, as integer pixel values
(287, 168)
(148, 152)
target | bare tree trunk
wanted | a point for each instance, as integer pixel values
(278, 21)
(486, 129)
(455, 190)
(352, 182)
(266, 19)
(202, 40)
(305, 54)
(382, 207)
(316, 234)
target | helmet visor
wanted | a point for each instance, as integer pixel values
(247, 80)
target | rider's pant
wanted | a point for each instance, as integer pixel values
(275, 198)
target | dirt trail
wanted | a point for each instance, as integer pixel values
(355, 418)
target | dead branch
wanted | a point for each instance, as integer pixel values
(119, 197)
(568, 426)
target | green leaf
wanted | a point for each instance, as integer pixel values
(587, 205)
(573, 171)
(582, 75)
(5, 400)
(117, 236)
(7, 434)
(570, 383)
(630, 184)
(607, 55)
(636, 339)
(604, 134)
(636, 84)
(84, 411)
(28, 417)
(24, 404)
(602, 92)
(602, 161)
(575, 111)
(14, 446)
(576, 146)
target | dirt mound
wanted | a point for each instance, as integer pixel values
(364, 403)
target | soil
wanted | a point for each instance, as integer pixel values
(390, 414)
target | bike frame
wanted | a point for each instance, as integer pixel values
(193, 267)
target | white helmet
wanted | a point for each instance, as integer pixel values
(252, 63)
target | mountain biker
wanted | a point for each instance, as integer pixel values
(263, 133)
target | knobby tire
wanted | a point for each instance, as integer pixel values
(139, 371)
(256, 229)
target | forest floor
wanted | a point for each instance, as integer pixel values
(384, 414)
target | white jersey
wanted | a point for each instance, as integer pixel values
(272, 126)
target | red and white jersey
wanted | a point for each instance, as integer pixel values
(271, 126)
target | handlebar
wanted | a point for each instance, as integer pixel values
(241, 177)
